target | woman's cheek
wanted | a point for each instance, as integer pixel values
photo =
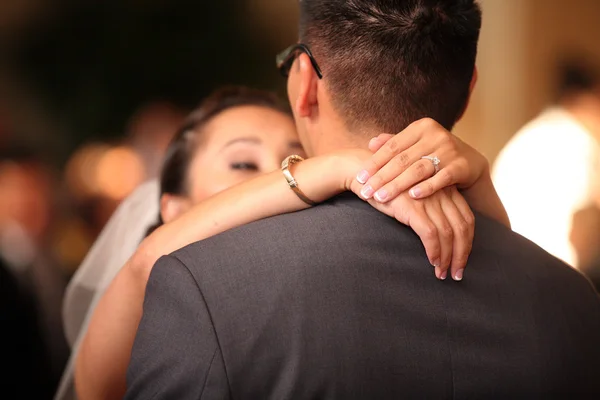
(214, 184)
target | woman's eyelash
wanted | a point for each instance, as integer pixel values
(248, 166)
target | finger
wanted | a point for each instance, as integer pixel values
(463, 207)
(421, 223)
(444, 178)
(445, 234)
(417, 172)
(463, 237)
(395, 145)
(378, 141)
(469, 217)
(395, 167)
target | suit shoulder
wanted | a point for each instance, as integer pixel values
(297, 233)
(516, 252)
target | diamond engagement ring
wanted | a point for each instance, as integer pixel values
(435, 161)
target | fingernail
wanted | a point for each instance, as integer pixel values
(367, 192)
(441, 275)
(415, 193)
(362, 177)
(459, 275)
(381, 195)
(372, 141)
(436, 263)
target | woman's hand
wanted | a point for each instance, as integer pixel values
(444, 222)
(442, 218)
(397, 164)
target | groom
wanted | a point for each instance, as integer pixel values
(337, 302)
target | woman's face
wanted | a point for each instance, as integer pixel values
(239, 144)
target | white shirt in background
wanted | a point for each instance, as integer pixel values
(544, 175)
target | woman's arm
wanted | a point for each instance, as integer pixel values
(104, 353)
(482, 196)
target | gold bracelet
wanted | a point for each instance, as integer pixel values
(285, 168)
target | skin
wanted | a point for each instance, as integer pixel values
(239, 144)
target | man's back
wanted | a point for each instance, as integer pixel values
(340, 301)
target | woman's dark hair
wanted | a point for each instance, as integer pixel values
(181, 150)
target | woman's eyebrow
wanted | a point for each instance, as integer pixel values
(248, 139)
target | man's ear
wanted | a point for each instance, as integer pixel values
(172, 206)
(474, 80)
(471, 88)
(307, 86)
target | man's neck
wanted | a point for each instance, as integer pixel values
(335, 136)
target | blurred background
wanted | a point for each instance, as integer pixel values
(91, 91)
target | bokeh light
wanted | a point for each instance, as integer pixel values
(81, 170)
(118, 172)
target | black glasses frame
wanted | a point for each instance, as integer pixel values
(286, 58)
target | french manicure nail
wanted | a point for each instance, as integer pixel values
(362, 177)
(372, 141)
(444, 275)
(436, 263)
(415, 193)
(381, 195)
(367, 192)
(459, 275)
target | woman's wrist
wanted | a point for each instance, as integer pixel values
(322, 177)
(485, 174)
(482, 196)
(482, 185)
(347, 164)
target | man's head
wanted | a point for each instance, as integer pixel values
(576, 77)
(385, 64)
(579, 92)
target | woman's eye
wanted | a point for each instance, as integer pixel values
(244, 166)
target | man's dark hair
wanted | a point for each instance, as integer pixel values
(388, 63)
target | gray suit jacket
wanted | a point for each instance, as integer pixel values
(340, 302)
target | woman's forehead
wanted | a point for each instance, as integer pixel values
(250, 125)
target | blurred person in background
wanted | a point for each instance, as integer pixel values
(550, 169)
(99, 176)
(149, 132)
(26, 212)
(585, 237)
(24, 358)
(188, 178)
